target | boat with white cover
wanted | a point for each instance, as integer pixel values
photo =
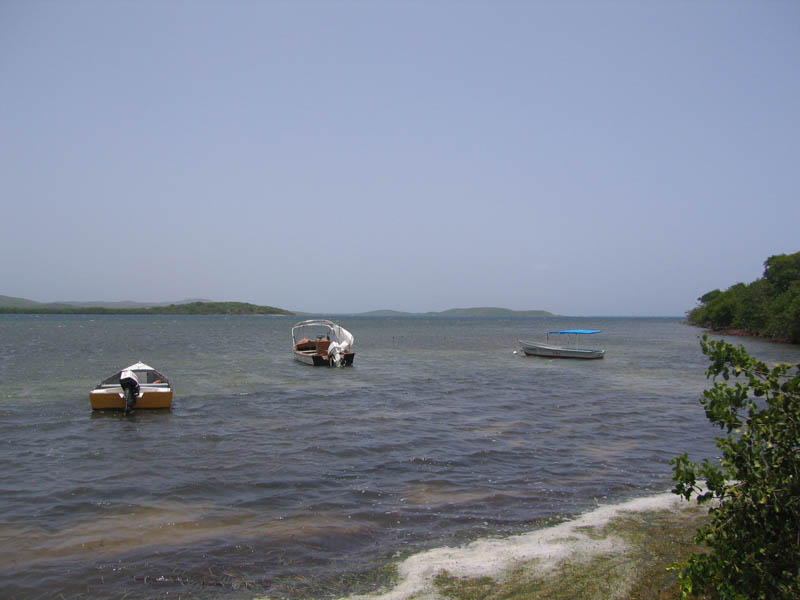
(136, 386)
(322, 343)
(549, 350)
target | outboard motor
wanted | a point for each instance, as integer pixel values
(335, 351)
(342, 341)
(131, 389)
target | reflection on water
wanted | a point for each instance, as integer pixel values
(279, 472)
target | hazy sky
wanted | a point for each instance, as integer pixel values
(594, 158)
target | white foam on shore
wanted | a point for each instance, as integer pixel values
(493, 557)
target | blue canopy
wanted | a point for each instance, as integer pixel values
(577, 331)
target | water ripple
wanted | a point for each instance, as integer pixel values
(275, 471)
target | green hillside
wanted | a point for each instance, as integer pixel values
(769, 306)
(11, 305)
(12, 302)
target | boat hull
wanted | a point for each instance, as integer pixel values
(113, 398)
(550, 351)
(317, 360)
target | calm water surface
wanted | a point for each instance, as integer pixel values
(269, 476)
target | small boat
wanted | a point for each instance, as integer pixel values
(553, 351)
(322, 343)
(137, 386)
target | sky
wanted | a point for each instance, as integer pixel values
(584, 158)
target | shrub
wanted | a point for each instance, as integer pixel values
(753, 534)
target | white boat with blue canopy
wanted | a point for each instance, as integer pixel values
(549, 350)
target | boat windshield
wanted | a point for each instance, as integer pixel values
(322, 329)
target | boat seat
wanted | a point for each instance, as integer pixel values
(322, 347)
(306, 344)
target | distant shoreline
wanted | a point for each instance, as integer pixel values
(14, 305)
(483, 311)
(191, 308)
(23, 306)
(184, 309)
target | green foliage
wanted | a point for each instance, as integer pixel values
(784, 320)
(769, 306)
(754, 529)
(781, 270)
(706, 298)
(216, 308)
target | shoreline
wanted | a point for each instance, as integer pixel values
(737, 332)
(614, 551)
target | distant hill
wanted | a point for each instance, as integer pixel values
(9, 304)
(130, 304)
(12, 302)
(490, 311)
(486, 311)
(216, 308)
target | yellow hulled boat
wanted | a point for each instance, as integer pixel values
(136, 386)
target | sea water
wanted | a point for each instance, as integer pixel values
(268, 476)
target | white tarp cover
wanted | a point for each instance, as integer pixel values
(341, 337)
(341, 341)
